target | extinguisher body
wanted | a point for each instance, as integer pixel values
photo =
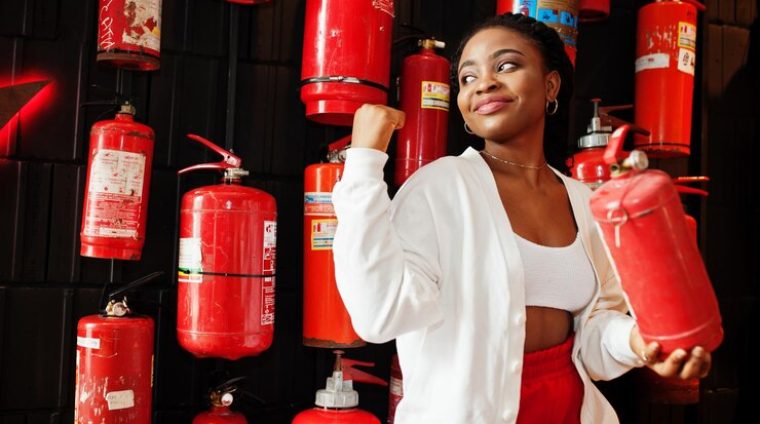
(657, 260)
(225, 305)
(561, 15)
(425, 101)
(220, 415)
(346, 58)
(335, 416)
(129, 33)
(114, 370)
(326, 322)
(116, 194)
(665, 61)
(589, 168)
(395, 389)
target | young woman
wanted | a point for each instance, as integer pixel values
(487, 267)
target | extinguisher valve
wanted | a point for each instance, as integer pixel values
(227, 399)
(117, 309)
(234, 173)
(430, 43)
(636, 160)
(128, 108)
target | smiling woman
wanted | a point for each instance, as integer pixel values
(487, 267)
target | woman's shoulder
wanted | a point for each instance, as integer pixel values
(441, 172)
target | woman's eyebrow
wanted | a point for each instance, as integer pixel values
(494, 55)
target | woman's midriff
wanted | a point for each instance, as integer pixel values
(546, 327)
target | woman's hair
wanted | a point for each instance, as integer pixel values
(552, 50)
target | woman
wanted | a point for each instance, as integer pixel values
(487, 267)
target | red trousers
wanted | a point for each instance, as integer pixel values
(552, 390)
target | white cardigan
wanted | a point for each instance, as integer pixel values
(439, 270)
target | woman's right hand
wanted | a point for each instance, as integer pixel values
(374, 125)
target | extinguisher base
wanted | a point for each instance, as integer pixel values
(103, 252)
(131, 61)
(332, 344)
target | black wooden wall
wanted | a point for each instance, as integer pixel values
(45, 286)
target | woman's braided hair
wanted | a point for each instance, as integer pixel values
(552, 50)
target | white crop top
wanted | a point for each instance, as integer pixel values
(557, 277)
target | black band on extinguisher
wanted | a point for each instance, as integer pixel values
(229, 274)
(345, 80)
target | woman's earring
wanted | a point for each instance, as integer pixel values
(467, 129)
(552, 106)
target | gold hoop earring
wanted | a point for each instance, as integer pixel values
(468, 130)
(554, 105)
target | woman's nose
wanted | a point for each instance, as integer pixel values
(487, 83)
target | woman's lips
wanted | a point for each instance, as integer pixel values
(490, 106)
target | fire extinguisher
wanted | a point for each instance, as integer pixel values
(561, 15)
(666, 43)
(587, 165)
(221, 398)
(593, 10)
(654, 254)
(325, 320)
(395, 390)
(129, 34)
(425, 101)
(114, 363)
(225, 295)
(346, 57)
(118, 182)
(337, 402)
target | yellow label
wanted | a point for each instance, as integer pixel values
(687, 35)
(323, 233)
(435, 95)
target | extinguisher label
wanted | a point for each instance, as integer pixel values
(267, 301)
(687, 35)
(686, 61)
(121, 399)
(270, 246)
(652, 61)
(318, 204)
(88, 342)
(396, 386)
(115, 193)
(435, 95)
(323, 233)
(385, 6)
(189, 264)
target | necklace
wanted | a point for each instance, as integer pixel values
(509, 162)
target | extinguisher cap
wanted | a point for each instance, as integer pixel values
(338, 393)
(128, 108)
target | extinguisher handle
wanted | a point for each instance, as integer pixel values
(691, 190)
(339, 144)
(614, 151)
(351, 373)
(695, 179)
(228, 161)
(134, 284)
(701, 7)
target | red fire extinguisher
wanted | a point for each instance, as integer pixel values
(221, 399)
(666, 45)
(395, 390)
(325, 320)
(129, 33)
(654, 254)
(337, 402)
(587, 165)
(114, 363)
(225, 295)
(561, 15)
(118, 182)
(346, 57)
(425, 101)
(593, 10)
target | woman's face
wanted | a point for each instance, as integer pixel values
(504, 85)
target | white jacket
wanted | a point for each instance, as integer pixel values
(439, 270)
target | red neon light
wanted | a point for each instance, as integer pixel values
(29, 113)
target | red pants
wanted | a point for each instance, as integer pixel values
(552, 390)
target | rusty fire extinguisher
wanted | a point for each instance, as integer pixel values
(424, 84)
(114, 363)
(666, 43)
(118, 182)
(593, 10)
(221, 397)
(654, 253)
(346, 57)
(129, 33)
(337, 403)
(225, 295)
(325, 319)
(561, 15)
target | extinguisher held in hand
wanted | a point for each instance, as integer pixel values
(114, 363)
(118, 181)
(220, 413)
(129, 33)
(654, 253)
(337, 402)
(325, 319)
(346, 57)
(225, 295)
(424, 83)
(666, 44)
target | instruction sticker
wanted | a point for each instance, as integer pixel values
(686, 61)
(687, 35)
(323, 233)
(653, 61)
(88, 342)
(267, 301)
(121, 399)
(189, 264)
(435, 95)
(270, 246)
(318, 204)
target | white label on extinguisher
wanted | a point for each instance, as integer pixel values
(88, 342)
(323, 233)
(652, 61)
(267, 301)
(190, 259)
(686, 61)
(384, 6)
(143, 23)
(396, 387)
(121, 399)
(687, 35)
(270, 246)
(435, 95)
(318, 204)
(114, 198)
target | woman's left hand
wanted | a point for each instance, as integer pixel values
(680, 363)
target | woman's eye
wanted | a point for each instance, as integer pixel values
(506, 66)
(466, 79)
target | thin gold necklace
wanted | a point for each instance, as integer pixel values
(509, 162)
